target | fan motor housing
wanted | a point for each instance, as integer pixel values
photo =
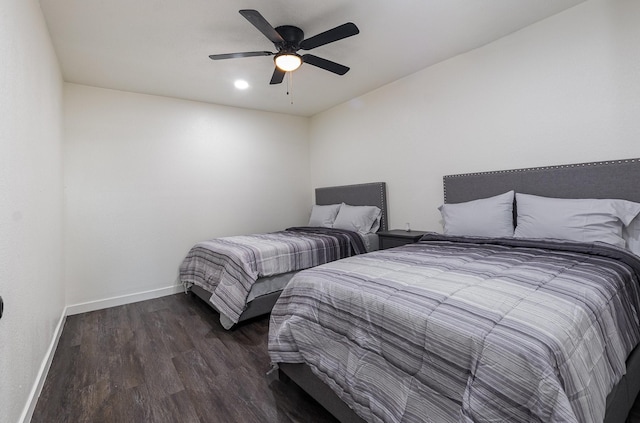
(292, 35)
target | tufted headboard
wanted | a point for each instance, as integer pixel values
(370, 194)
(607, 179)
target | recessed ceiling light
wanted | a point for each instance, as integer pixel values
(241, 84)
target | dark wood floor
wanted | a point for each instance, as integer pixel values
(169, 360)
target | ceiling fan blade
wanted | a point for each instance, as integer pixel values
(263, 26)
(325, 64)
(338, 33)
(238, 55)
(277, 77)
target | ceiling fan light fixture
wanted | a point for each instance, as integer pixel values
(288, 39)
(288, 61)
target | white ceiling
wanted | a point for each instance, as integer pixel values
(161, 47)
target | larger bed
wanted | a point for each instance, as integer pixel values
(241, 277)
(475, 329)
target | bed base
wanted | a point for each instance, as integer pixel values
(621, 399)
(257, 307)
(302, 376)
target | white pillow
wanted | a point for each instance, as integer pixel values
(583, 220)
(490, 217)
(324, 216)
(631, 234)
(359, 219)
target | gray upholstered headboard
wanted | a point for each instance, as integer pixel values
(371, 194)
(607, 179)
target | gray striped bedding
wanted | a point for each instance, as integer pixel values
(229, 266)
(466, 329)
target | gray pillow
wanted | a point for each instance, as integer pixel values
(582, 220)
(489, 217)
(361, 219)
(324, 216)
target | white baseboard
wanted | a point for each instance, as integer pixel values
(30, 407)
(70, 310)
(123, 299)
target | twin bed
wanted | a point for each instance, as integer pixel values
(241, 277)
(485, 322)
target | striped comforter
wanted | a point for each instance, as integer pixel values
(466, 330)
(228, 267)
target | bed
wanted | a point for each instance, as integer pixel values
(477, 328)
(241, 277)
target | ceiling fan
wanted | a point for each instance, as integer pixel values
(288, 40)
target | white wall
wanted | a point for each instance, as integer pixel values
(562, 91)
(31, 282)
(146, 177)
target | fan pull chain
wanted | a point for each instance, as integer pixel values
(290, 85)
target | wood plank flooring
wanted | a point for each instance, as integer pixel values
(169, 360)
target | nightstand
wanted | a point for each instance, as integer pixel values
(398, 237)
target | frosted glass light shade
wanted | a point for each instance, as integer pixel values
(288, 61)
